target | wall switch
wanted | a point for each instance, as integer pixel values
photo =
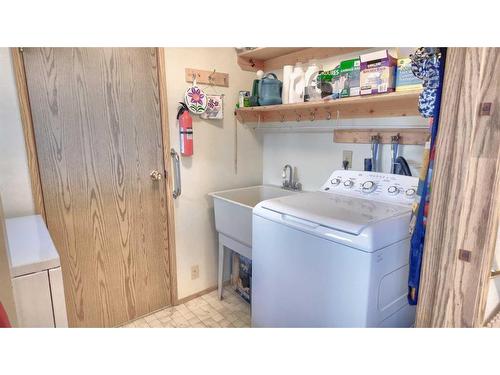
(347, 156)
(195, 272)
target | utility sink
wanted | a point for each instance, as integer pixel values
(233, 209)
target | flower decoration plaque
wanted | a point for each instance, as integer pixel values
(215, 108)
(196, 100)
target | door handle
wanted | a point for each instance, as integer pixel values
(300, 222)
(177, 173)
(155, 175)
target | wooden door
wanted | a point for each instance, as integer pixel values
(96, 117)
(465, 198)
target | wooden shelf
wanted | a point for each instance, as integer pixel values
(394, 104)
(266, 53)
(271, 58)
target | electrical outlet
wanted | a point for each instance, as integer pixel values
(347, 156)
(195, 272)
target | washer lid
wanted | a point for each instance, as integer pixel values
(335, 211)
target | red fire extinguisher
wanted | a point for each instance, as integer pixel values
(185, 130)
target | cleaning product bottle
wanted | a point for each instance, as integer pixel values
(287, 72)
(311, 91)
(297, 84)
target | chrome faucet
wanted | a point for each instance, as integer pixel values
(289, 183)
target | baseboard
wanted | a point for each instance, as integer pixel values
(180, 301)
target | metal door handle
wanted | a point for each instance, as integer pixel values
(177, 173)
(155, 175)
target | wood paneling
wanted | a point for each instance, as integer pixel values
(29, 137)
(96, 115)
(6, 291)
(465, 198)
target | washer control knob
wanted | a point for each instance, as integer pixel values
(368, 186)
(348, 183)
(393, 190)
(410, 192)
(335, 181)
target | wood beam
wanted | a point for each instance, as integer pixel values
(465, 199)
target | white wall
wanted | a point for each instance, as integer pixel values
(15, 185)
(211, 168)
(315, 155)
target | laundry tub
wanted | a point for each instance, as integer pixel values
(233, 219)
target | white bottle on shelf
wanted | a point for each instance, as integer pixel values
(311, 92)
(287, 73)
(297, 84)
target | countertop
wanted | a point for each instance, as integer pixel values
(30, 245)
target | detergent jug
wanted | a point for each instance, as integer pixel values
(297, 84)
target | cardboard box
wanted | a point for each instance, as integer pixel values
(349, 78)
(378, 73)
(329, 82)
(405, 79)
(241, 276)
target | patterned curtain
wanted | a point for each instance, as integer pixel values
(427, 64)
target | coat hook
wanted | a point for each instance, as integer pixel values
(313, 115)
(282, 117)
(329, 115)
(211, 77)
(299, 116)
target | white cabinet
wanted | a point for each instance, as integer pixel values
(33, 300)
(36, 274)
(57, 294)
(39, 299)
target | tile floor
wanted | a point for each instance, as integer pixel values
(205, 311)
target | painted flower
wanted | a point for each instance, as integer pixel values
(196, 96)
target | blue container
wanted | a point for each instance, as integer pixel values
(270, 90)
(368, 164)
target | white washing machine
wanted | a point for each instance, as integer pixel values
(337, 257)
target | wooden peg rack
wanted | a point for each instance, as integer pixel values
(208, 77)
(406, 136)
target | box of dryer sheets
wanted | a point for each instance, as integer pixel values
(349, 77)
(405, 79)
(329, 83)
(378, 73)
